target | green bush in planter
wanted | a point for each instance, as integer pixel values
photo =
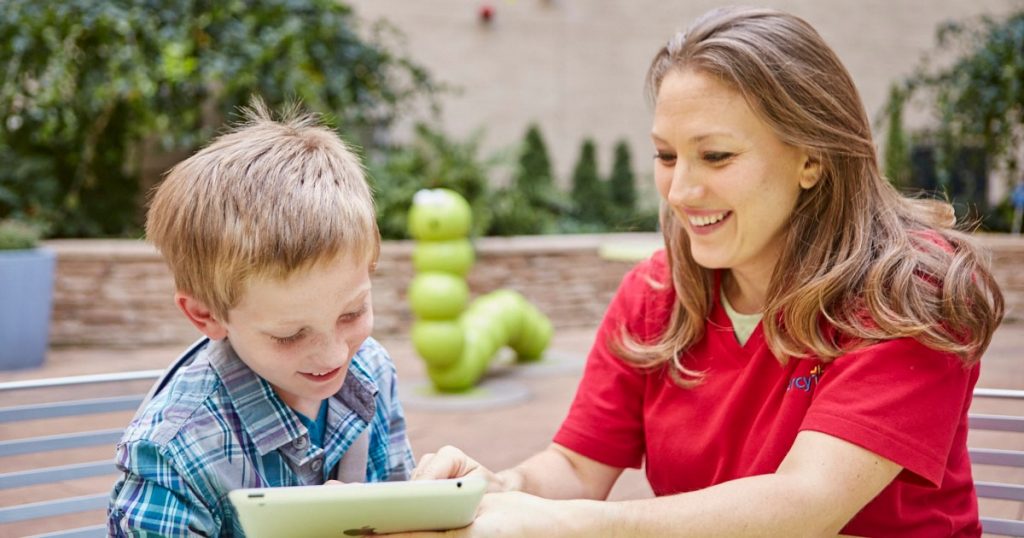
(26, 289)
(17, 235)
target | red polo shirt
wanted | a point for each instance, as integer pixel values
(898, 399)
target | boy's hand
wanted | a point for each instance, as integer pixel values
(334, 483)
(450, 462)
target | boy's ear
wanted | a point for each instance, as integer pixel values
(200, 316)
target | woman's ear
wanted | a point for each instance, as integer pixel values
(202, 317)
(810, 171)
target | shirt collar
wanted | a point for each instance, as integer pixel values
(267, 419)
(359, 391)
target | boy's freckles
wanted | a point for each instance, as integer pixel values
(300, 333)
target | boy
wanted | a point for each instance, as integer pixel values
(271, 237)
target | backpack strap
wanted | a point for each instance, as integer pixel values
(182, 361)
(352, 467)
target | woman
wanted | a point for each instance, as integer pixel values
(800, 358)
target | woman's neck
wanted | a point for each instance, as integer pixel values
(746, 295)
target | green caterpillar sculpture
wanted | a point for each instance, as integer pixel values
(457, 341)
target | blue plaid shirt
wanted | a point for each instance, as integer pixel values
(217, 426)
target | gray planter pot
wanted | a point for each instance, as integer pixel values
(26, 296)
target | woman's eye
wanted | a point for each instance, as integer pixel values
(666, 158)
(716, 156)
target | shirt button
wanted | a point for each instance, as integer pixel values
(317, 465)
(299, 443)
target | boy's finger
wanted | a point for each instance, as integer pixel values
(440, 466)
(433, 469)
(448, 462)
(417, 473)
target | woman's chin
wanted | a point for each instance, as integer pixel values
(709, 261)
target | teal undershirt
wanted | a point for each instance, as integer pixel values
(316, 429)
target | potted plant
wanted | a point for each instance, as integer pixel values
(26, 295)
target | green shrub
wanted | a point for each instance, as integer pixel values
(89, 82)
(621, 184)
(640, 220)
(430, 160)
(976, 100)
(16, 235)
(588, 191)
(572, 225)
(534, 177)
(897, 148)
(514, 214)
(531, 204)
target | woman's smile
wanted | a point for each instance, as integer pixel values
(707, 223)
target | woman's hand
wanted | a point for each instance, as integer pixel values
(515, 514)
(450, 462)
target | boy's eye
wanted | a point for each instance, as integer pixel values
(352, 316)
(289, 339)
(716, 156)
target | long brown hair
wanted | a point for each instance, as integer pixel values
(873, 264)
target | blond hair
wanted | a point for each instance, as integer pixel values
(266, 199)
(873, 264)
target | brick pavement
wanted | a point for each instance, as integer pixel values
(498, 437)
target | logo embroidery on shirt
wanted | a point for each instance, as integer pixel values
(805, 382)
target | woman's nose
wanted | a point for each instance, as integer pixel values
(685, 188)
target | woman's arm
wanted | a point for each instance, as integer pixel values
(820, 485)
(560, 473)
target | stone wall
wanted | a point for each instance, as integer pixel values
(1008, 268)
(119, 293)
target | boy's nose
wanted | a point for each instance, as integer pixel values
(337, 349)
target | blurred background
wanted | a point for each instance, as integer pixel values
(532, 109)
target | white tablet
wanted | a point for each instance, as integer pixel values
(358, 509)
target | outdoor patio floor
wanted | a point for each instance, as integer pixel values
(498, 435)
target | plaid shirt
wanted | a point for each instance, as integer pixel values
(217, 426)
